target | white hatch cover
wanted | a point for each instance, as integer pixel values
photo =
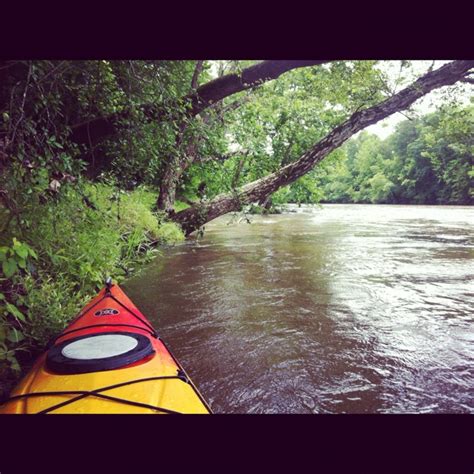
(99, 347)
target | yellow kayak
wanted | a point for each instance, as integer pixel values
(108, 360)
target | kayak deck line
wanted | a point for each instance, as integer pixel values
(121, 354)
(98, 393)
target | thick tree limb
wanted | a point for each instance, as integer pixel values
(230, 84)
(194, 217)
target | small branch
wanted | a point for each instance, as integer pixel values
(221, 157)
(405, 115)
(197, 72)
(10, 64)
(22, 108)
(235, 104)
(184, 199)
(54, 70)
(286, 158)
(238, 172)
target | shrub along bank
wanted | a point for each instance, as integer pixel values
(55, 258)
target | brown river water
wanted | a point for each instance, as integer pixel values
(332, 309)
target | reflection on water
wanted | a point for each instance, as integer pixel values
(333, 309)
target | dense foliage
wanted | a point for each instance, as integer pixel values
(428, 160)
(62, 232)
(85, 148)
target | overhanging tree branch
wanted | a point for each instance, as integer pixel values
(214, 91)
(230, 84)
(194, 217)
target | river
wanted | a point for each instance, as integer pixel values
(326, 309)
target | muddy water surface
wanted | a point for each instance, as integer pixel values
(332, 309)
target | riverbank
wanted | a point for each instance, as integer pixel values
(60, 257)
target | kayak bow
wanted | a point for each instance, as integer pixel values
(108, 360)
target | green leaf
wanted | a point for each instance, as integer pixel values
(3, 253)
(21, 250)
(21, 263)
(15, 336)
(9, 267)
(2, 296)
(12, 309)
(13, 362)
(33, 253)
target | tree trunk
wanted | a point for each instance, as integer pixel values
(167, 194)
(194, 217)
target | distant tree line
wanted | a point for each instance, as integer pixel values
(427, 160)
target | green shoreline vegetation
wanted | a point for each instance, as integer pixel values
(60, 259)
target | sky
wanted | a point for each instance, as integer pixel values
(425, 105)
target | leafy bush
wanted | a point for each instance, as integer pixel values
(67, 249)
